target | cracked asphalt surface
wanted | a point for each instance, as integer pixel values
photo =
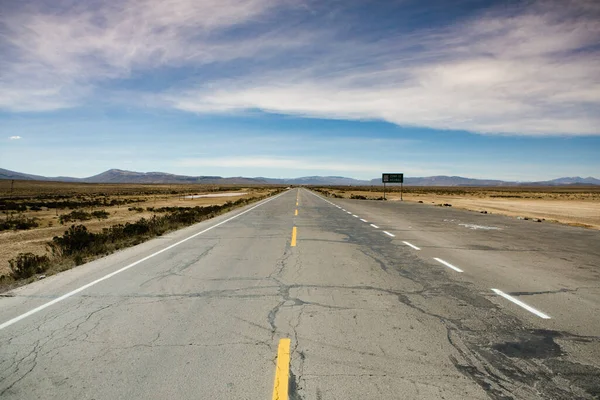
(368, 316)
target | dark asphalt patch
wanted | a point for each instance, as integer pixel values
(537, 344)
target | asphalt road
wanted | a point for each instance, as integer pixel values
(369, 293)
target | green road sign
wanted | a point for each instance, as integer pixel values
(392, 178)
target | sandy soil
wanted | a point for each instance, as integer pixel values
(572, 212)
(34, 240)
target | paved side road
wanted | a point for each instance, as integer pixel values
(364, 290)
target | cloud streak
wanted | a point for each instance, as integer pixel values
(57, 58)
(527, 70)
(533, 73)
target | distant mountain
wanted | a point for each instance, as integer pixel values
(574, 180)
(7, 174)
(448, 181)
(122, 176)
(326, 180)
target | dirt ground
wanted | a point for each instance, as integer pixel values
(573, 207)
(34, 240)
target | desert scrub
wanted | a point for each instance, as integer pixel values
(79, 215)
(26, 265)
(100, 214)
(18, 222)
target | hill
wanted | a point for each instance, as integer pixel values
(123, 176)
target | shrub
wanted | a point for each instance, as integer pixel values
(101, 214)
(76, 215)
(26, 265)
(76, 239)
(19, 222)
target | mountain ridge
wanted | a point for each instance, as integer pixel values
(123, 176)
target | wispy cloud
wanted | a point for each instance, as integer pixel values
(56, 53)
(531, 69)
(14, 138)
(532, 72)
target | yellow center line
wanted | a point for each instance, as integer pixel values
(282, 370)
(296, 213)
(293, 244)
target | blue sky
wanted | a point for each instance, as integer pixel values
(506, 90)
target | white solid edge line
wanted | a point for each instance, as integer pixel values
(520, 303)
(389, 234)
(374, 226)
(447, 264)
(105, 277)
(411, 245)
(363, 220)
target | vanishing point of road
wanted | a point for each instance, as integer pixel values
(306, 297)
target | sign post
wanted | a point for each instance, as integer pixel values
(393, 178)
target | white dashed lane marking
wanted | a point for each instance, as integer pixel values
(411, 245)
(447, 264)
(521, 304)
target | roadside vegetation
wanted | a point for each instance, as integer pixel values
(17, 222)
(89, 233)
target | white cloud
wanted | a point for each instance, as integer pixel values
(14, 138)
(52, 59)
(534, 73)
(530, 70)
